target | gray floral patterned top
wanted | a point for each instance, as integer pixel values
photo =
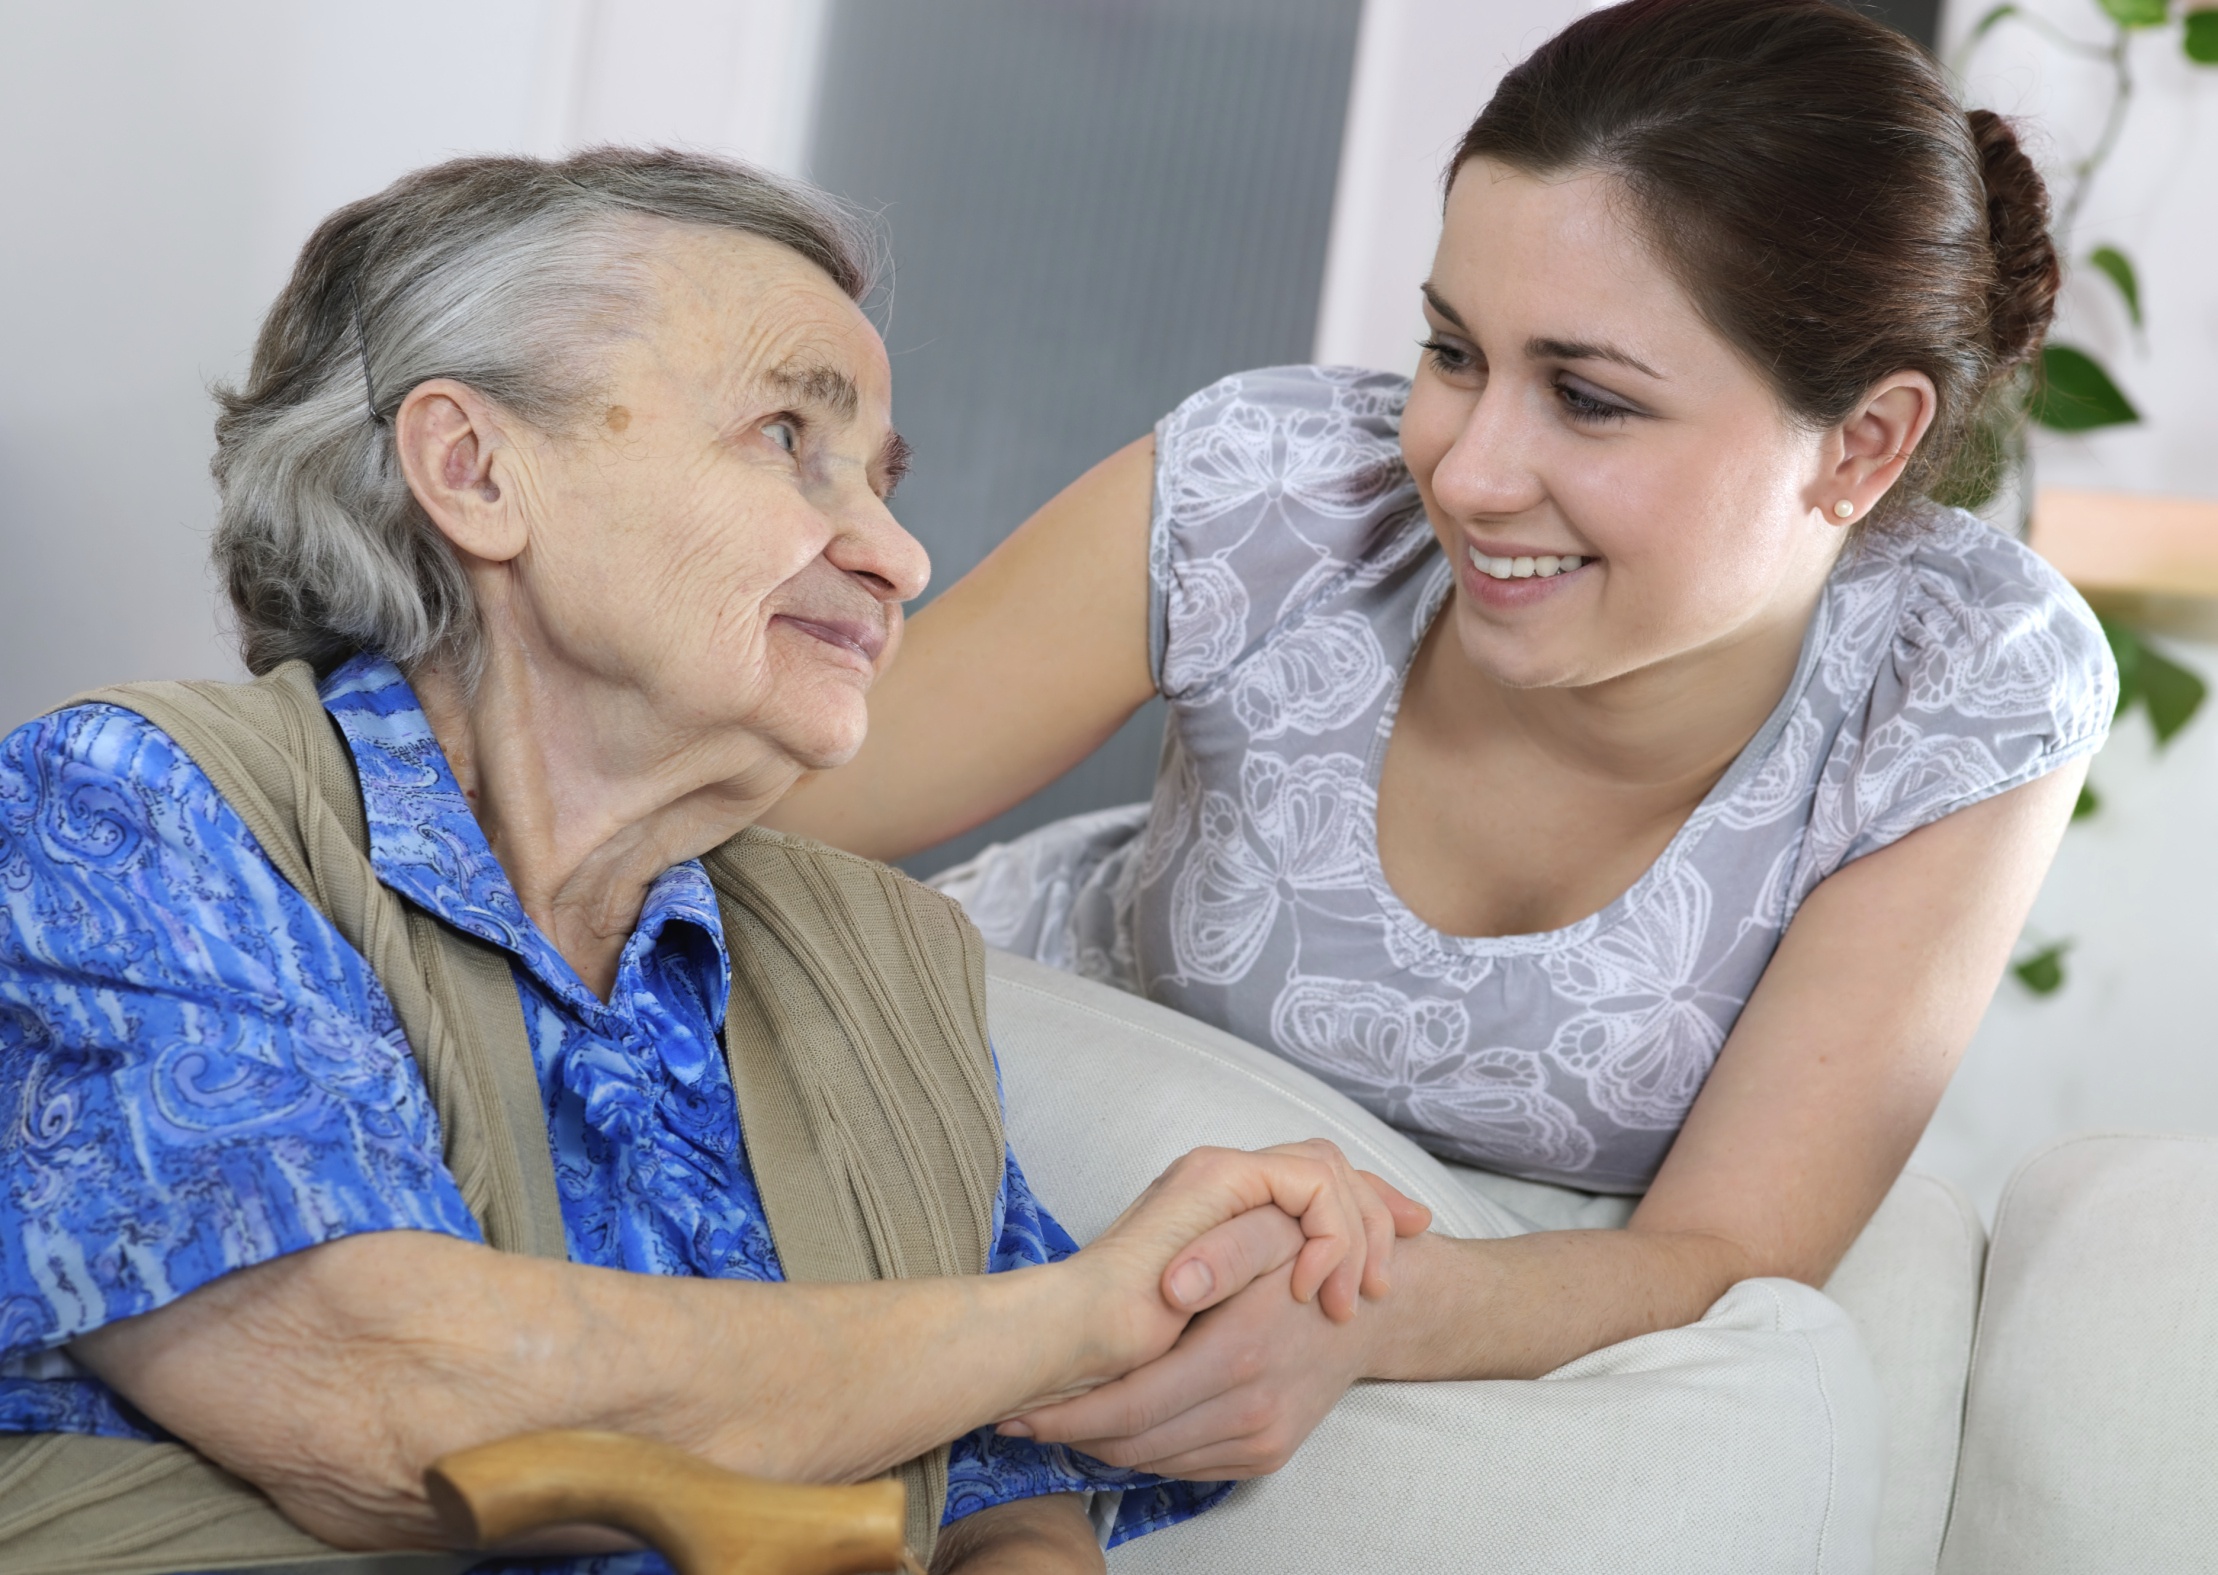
(1293, 575)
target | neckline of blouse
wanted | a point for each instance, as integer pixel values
(1439, 582)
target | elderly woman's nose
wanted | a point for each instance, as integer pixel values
(876, 550)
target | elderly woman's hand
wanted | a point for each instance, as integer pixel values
(1219, 1219)
(1235, 1397)
(1249, 1378)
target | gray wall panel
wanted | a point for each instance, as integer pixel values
(1095, 208)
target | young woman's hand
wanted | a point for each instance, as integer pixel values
(1219, 1219)
(1244, 1385)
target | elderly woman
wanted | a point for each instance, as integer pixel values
(553, 514)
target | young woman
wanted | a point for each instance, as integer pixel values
(1595, 754)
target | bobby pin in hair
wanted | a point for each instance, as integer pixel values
(362, 352)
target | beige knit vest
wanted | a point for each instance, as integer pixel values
(856, 1037)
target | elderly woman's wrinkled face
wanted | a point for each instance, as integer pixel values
(716, 540)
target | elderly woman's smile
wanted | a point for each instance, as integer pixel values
(684, 593)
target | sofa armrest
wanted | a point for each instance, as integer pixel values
(1911, 1285)
(2091, 1427)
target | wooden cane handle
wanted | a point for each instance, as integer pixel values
(703, 1519)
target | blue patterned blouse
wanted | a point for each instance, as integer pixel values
(198, 1073)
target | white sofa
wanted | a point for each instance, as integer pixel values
(2051, 1398)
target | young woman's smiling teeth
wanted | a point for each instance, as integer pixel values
(1546, 566)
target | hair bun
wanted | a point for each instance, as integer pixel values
(2023, 298)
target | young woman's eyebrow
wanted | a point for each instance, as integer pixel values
(1544, 349)
(1579, 350)
(1439, 304)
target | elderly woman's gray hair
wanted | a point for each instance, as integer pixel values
(507, 274)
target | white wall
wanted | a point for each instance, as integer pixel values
(165, 164)
(1423, 70)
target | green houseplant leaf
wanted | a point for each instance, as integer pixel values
(2200, 37)
(2170, 693)
(2119, 270)
(2076, 395)
(2088, 802)
(2135, 13)
(2125, 650)
(2043, 972)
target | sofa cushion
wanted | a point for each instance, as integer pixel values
(1911, 1286)
(2091, 1430)
(1105, 1089)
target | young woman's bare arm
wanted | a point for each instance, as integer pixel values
(1011, 678)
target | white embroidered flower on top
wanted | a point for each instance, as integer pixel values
(1324, 674)
(1408, 1059)
(1241, 456)
(1298, 826)
(1647, 1030)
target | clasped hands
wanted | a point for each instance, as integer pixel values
(1257, 1328)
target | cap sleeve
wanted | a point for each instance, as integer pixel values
(1994, 672)
(1266, 484)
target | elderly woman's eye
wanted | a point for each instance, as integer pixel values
(786, 434)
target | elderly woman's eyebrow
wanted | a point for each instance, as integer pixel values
(814, 383)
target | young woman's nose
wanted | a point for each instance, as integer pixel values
(1487, 471)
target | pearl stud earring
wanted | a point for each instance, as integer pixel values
(1844, 508)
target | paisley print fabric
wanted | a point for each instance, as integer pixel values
(1293, 575)
(197, 1073)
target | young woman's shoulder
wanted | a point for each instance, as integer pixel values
(1271, 487)
(1963, 665)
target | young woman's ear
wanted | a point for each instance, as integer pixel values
(454, 450)
(1867, 453)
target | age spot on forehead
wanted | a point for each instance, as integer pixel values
(617, 418)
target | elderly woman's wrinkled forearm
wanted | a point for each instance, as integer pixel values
(331, 1378)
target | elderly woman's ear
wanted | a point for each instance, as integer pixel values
(462, 463)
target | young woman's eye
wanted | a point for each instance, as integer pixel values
(1583, 406)
(1450, 360)
(786, 434)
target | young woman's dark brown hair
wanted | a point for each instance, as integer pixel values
(1557, 765)
(1815, 188)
